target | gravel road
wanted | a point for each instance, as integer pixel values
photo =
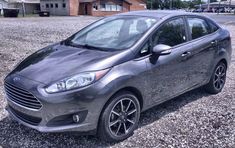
(195, 119)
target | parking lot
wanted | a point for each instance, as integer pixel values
(195, 119)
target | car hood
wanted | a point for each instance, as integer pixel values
(57, 62)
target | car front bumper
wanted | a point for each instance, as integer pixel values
(57, 110)
(43, 128)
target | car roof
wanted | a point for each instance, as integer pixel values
(159, 14)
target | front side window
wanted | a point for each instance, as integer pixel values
(198, 27)
(114, 33)
(171, 33)
(145, 50)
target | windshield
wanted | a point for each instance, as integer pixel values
(113, 33)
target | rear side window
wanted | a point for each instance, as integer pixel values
(198, 27)
(171, 33)
(213, 27)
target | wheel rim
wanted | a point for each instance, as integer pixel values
(123, 117)
(219, 78)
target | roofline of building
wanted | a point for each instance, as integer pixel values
(25, 1)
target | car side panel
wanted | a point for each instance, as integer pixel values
(129, 74)
(224, 50)
(204, 50)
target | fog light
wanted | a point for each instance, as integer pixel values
(76, 118)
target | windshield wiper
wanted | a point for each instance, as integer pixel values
(70, 43)
(66, 42)
(91, 47)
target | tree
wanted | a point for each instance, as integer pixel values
(166, 4)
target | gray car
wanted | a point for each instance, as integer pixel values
(100, 79)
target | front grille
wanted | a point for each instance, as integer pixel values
(26, 118)
(21, 96)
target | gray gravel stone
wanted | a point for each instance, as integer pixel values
(195, 119)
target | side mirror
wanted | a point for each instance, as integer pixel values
(161, 49)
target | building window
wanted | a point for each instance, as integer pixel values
(47, 5)
(102, 7)
(110, 7)
(119, 8)
(56, 5)
(52, 5)
(64, 5)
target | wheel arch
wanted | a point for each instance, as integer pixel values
(131, 89)
(224, 61)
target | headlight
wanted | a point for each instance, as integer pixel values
(76, 81)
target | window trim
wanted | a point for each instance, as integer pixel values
(150, 37)
(188, 36)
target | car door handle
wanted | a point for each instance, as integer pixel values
(214, 43)
(186, 54)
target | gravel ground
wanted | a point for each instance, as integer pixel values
(195, 119)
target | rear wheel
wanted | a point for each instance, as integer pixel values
(217, 79)
(120, 117)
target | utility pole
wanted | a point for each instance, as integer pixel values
(171, 1)
(219, 7)
(1, 9)
(23, 8)
(229, 6)
(208, 5)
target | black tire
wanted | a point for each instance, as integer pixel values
(109, 116)
(217, 79)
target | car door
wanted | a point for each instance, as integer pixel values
(170, 75)
(204, 47)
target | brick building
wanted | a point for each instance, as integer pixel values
(91, 7)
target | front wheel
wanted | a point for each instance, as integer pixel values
(120, 117)
(217, 79)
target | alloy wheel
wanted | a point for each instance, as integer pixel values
(123, 117)
(220, 76)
